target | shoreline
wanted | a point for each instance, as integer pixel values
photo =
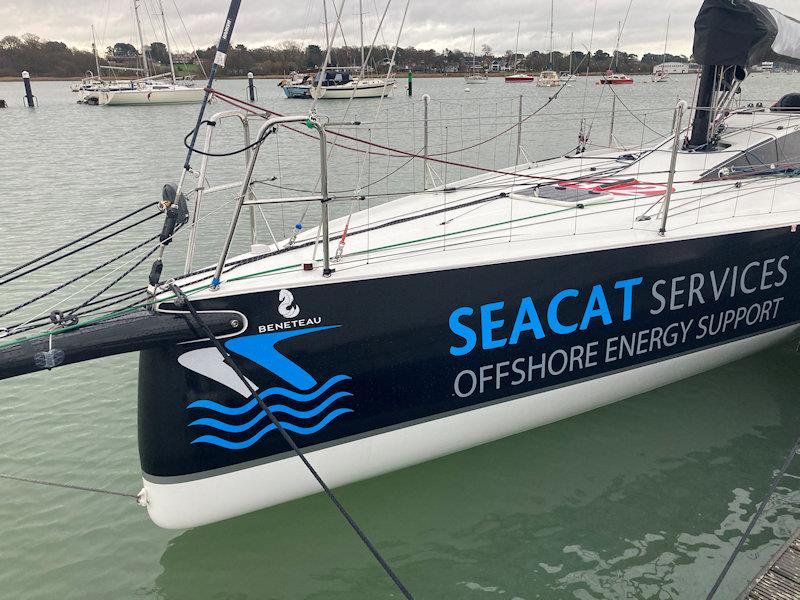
(399, 75)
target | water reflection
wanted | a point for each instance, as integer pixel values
(643, 499)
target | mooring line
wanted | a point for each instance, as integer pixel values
(181, 299)
(68, 486)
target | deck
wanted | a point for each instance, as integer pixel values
(780, 579)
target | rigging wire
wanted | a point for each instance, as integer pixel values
(77, 240)
(77, 250)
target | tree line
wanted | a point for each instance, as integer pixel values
(45, 58)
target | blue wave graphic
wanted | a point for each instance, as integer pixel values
(217, 441)
(300, 397)
(278, 408)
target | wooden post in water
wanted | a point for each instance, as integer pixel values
(30, 99)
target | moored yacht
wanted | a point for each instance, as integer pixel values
(463, 313)
(474, 76)
(149, 89)
(611, 78)
(549, 77)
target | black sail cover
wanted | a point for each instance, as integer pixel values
(744, 33)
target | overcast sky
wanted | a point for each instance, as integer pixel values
(430, 24)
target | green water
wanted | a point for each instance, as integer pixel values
(642, 499)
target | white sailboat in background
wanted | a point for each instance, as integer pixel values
(660, 74)
(474, 76)
(549, 77)
(343, 87)
(150, 90)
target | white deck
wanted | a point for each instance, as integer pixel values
(506, 229)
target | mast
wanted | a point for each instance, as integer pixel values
(664, 57)
(94, 51)
(616, 49)
(472, 53)
(141, 38)
(361, 25)
(325, 16)
(571, 50)
(552, 2)
(516, 47)
(166, 38)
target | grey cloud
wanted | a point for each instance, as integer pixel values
(441, 24)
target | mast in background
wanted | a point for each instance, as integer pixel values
(94, 51)
(571, 50)
(361, 26)
(141, 38)
(550, 66)
(166, 40)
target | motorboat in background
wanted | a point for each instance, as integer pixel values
(297, 85)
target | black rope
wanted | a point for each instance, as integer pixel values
(92, 306)
(77, 278)
(127, 272)
(786, 464)
(260, 140)
(182, 299)
(80, 249)
(75, 241)
(68, 486)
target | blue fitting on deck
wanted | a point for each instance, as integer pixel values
(215, 281)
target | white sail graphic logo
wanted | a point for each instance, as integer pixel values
(287, 308)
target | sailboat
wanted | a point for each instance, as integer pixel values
(92, 84)
(611, 77)
(461, 314)
(474, 77)
(518, 77)
(549, 77)
(150, 89)
(660, 74)
(343, 87)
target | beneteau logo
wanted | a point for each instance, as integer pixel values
(301, 403)
(287, 308)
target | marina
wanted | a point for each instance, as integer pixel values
(361, 295)
(780, 578)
